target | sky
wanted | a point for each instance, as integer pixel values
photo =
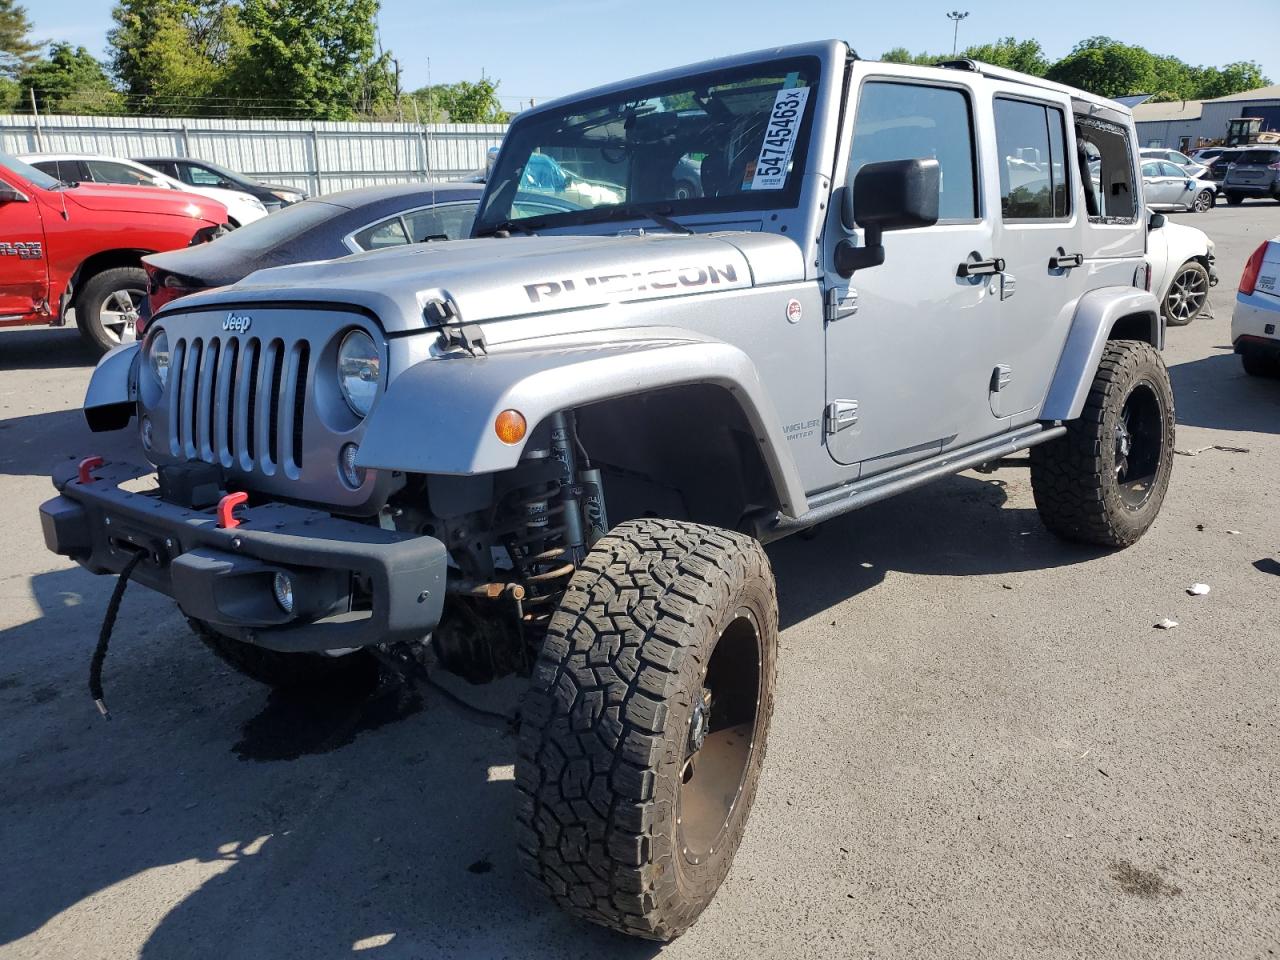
(539, 49)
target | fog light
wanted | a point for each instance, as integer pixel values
(282, 587)
(352, 475)
(148, 433)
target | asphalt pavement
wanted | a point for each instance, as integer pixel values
(981, 746)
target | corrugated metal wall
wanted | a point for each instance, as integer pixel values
(318, 157)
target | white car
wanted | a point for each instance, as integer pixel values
(1182, 269)
(95, 168)
(1257, 314)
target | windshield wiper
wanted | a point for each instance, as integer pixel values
(625, 210)
(505, 227)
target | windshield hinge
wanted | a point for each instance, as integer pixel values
(469, 337)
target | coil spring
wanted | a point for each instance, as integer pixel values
(540, 553)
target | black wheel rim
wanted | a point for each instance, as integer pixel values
(1187, 295)
(1139, 445)
(721, 738)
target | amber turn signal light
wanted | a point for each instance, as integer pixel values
(510, 426)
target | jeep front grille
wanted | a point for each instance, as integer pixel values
(239, 402)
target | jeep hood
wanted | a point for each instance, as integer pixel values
(497, 278)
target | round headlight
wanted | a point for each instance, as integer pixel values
(158, 355)
(359, 369)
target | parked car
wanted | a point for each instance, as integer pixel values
(555, 450)
(1219, 164)
(90, 168)
(64, 246)
(1182, 269)
(1205, 154)
(323, 228)
(1176, 157)
(1167, 186)
(1256, 319)
(202, 173)
(1255, 172)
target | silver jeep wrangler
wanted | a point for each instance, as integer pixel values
(700, 311)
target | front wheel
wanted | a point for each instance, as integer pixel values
(1104, 481)
(643, 733)
(1188, 294)
(1234, 199)
(107, 307)
(1204, 201)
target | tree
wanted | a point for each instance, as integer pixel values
(176, 56)
(1107, 67)
(316, 56)
(461, 102)
(903, 55)
(1025, 56)
(17, 50)
(1235, 77)
(71, 80)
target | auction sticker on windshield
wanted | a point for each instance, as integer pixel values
(769, 172)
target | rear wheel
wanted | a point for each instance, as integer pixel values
(643, 733)
(1260, 365)
(351, 674)
(1234, 199)
(1187, 295)
(107, 307)
(1104, 481)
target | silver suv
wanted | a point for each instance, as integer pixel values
(556, 449)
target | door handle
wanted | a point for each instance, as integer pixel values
(978, 268)
(1062, 261)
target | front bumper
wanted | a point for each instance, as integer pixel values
(353, 584)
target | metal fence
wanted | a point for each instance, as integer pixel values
(319, 157)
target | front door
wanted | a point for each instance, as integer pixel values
(908, 371)
(1039, 234)
(23, 258)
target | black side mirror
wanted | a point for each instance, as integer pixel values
(1156, 222)
(893, 195)
(10, 194)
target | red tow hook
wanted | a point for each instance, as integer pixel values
(87, 466)
(227, 509)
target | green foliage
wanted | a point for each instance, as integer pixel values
(1025, 56)
(903, 55)
(10, 95)
(1235, 77)
(17, 50)
(320, 55)
(461, 102)
(71, 80)
(175, 56)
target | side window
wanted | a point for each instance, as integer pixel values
(1172, 170)
(168, 169)
(1106, 168)
(104, 171)
(906, 121)
(48, 166)
(1151, 169)
(450, 221)
(388, 233)
(1031, 151)
(200, 177)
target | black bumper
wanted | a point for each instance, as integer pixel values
(353, 584)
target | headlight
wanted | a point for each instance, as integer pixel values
(157, 351)
(256, 204)
(359, 370)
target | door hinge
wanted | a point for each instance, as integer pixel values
(1001, 377)
(839, 302)
(840, 415)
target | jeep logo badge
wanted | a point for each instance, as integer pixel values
(236, 324)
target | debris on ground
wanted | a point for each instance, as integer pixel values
(1198, 589)
(1166, 624)
(1213, 446)
(1234, 533)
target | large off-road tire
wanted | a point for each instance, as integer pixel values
(107, 307)
(1104, 481)
(643, 732)
(1188, 294)
(350, 675)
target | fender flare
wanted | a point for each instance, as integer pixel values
(112, 395)
(1096, 316)
(437, 417)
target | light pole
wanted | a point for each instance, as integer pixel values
(955, 16)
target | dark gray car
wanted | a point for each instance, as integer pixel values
(205, 173)
(1254, 172)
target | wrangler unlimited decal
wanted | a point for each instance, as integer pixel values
(664, 278)
(22, 249)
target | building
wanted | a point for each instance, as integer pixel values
(1187, 124)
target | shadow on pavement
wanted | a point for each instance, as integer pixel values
(33, 445)
(1215, 392)
(43, 348)
(382, 823)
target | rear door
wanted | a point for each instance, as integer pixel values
(1038, 234)
(908, 371)
(24, 279)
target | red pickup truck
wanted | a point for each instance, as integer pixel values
(80, 246)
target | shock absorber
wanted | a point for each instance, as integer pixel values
(562, 450)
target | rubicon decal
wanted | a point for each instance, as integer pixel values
(22, 249)
(657, 281)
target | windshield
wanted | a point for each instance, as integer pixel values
(1258, 156)
(735, 140)
(37, 177)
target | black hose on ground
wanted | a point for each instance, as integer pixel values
(104, 636)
